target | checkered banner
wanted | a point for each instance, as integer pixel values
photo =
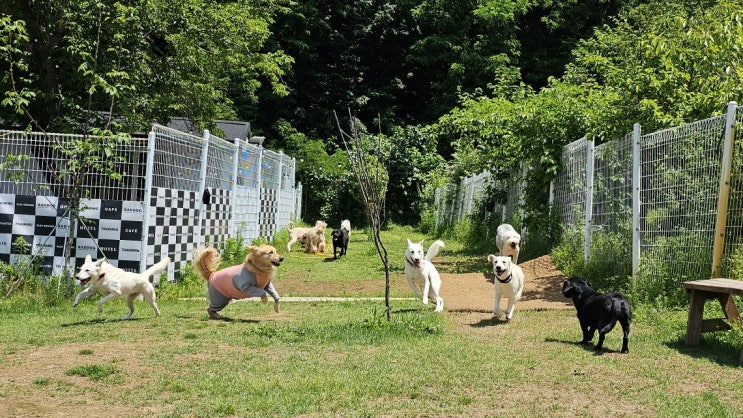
(108, 228)
(173, 220)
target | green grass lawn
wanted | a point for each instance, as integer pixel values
(322, 359)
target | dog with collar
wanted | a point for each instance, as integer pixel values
(509, 282)
(113, 282)
(249, 279)
(422, 275)
(598, 311)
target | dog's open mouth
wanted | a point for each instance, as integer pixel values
(83, 282)
(276, 263)
(417, 263)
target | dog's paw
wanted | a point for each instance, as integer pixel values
(276, 307)
(264, 299)
(213, 315)
(425, 301)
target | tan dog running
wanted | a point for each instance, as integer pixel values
(314, 239)
(250, 279)
(303, 234)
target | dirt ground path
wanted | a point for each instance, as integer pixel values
(473, 292)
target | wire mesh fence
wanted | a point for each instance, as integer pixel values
(670, 223)
(150, 197)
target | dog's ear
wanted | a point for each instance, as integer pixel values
(567, 289)
(99, 262)
(491, 257)
(421, 243)
(88, 258)
(409, 242)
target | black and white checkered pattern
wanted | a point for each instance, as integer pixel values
(217, 217)
(114, 229)
(173, 220)
(108, 228)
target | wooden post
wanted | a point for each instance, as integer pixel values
(724, 191)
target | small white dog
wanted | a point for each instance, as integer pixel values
(507, 240)
(422, 275)
(113, 282)
(346, 224)
(509, 282)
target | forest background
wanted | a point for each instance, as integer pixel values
(445, 89)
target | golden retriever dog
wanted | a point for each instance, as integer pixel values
(113, 282)
(249, 279)
(300, 234)
(314, 239)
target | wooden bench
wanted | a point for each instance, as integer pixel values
(703, 290)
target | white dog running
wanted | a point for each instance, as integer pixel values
(422, 275)
(509, 282)
(113, 282)
(346, 224)
(507, 240)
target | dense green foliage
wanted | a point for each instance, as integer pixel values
(156, 59)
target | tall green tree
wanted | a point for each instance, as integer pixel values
(661, 65)
(97, 67)
(348, 55)
(157, 58)
(462, 46)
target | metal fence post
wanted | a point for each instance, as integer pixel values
(202, 187)
(261, 196)
(589, 200)
(147, 197)
(292, 184)
(724, 191)
(234, 228)
(636, 159)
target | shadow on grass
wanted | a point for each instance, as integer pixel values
(586, 347)
(97, 321)
(711, 347)
(239, 320)
(462, 265)
(489, 322)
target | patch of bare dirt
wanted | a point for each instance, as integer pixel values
(474, 292)
(467, 292)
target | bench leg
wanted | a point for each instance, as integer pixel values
(728, 306)
(694, 323)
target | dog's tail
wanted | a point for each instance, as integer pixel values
(433, 250)
(206, 261)
(157, 268)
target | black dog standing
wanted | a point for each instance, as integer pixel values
(340, 241)
(598, 311)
